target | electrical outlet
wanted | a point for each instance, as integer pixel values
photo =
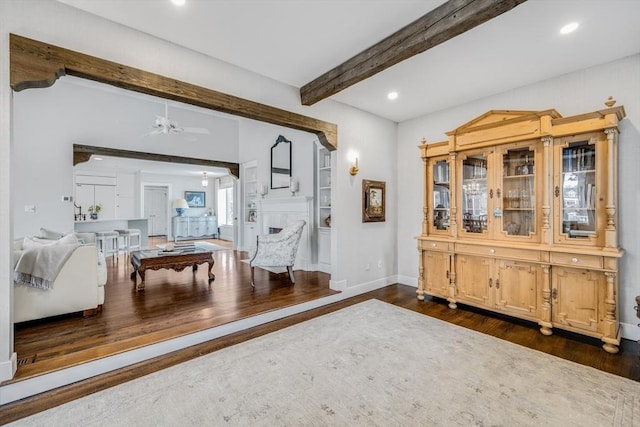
(67, 198)
(30, 208)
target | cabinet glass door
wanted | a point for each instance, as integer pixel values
(519, 190)
(474, 194)
(441, 193)
(578, 190)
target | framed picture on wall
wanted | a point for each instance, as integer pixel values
(373, 201)
(195, 199)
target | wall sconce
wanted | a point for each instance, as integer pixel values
(353, 159)
(180, 205)
(262, 189)
(205, 179)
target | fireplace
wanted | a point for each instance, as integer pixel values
(275, 213)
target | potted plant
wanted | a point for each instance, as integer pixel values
(94, 210)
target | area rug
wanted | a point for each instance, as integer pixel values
(202, 245)
(370, 364)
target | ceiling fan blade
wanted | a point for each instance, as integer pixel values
(155, 131)
(202, 131)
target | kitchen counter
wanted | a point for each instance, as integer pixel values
(93, 225)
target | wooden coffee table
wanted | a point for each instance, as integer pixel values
(178, 260)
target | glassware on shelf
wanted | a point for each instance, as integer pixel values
(518, 200)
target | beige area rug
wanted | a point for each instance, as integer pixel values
(371, 364)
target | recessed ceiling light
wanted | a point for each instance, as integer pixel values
(97, 158)
(178, 2)
(569, 28)
(392, 95)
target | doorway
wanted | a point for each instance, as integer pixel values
(155, 208)
(226, 208)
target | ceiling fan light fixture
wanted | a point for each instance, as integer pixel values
(205, 179)
(392, 95)
(569, 28)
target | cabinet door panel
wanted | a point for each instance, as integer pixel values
(519, 193)
(473, 276)
(580, 189)
(105, 195)
(474, 195)
(438, 184)
(578, 298)
(517, 288)
(84, 197)
(436, 280)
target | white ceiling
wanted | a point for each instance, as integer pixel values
(295, 41)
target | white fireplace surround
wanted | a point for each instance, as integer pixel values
(278, 212)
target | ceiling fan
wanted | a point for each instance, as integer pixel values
(165, 126)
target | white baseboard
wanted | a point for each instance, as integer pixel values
(8, 368)
(338, 285)
(630, 331)
(369, 286)
(407, 280)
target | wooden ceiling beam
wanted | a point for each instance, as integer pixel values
(35, 64)
(82, 153)
(441, 24)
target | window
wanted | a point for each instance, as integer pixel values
(225, 201)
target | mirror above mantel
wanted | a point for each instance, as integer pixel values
(281, 163)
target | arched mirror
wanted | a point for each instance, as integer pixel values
(281, 163)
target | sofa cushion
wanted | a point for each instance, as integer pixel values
(86, 238)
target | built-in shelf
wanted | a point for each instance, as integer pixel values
(324, 194)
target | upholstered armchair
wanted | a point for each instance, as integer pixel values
(277, 250)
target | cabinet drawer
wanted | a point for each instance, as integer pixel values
(576, 260)
(492, 251)
(435, 246)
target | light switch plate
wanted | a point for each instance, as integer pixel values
(30, 208)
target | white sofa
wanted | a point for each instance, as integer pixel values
(78, 287)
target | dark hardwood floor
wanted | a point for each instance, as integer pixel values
(276, 291)
(172, 304)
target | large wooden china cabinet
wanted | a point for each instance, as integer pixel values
(520, 218)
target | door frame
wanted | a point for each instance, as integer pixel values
(169, 188)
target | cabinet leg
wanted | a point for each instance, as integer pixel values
(545, 330)
(452, 304)
(610, 348)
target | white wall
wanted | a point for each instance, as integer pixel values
(354, 243)
(256, 139)
(571, 94)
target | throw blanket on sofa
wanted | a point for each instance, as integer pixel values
(39, 266)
